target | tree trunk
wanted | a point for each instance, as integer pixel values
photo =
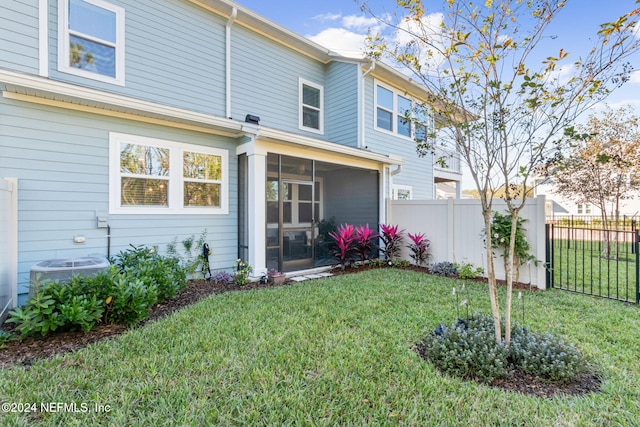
(491, 275)
(509, 277)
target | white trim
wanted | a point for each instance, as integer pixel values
(303, 82)
(63, 43)
(17, 86)
(395, 113)
(308, 144)
(395, 188)
(175, 200)
(43, 38)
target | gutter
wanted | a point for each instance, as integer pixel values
(232, 18)
(361, 143)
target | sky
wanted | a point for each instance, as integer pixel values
(341, 26)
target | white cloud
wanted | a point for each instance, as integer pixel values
(328, 17)
(635, 77)
(359, 22)
(429, 26)
(341, 40)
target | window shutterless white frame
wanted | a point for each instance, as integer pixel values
(175, 179)
(64, 35)
(320, 109)
(397, 190)
(396, 115)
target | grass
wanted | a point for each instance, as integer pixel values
(579, 266)
(334, 351)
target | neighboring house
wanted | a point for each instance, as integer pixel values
(130, 122)
(558, 206)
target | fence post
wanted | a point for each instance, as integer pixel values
(547, 250)
(636, 244)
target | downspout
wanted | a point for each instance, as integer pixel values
(387, 208)
(393, 173)
(230, 21)
(361, 143)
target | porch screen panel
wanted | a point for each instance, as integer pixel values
(273, 191)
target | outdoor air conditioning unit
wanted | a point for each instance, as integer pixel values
(64, 269)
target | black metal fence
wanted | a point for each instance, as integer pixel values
(594, 261)
(623, 222)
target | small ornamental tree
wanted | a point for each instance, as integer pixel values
(601, 166)
(495, 97)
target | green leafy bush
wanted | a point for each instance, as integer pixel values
(468, 271)
(468, 349)
(124, 293)
(545, 356)
(82, 310)
(444, 268)
(131, 299)
(40, 314)
(191, 256)
(145, 264)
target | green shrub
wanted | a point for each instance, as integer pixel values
(545, 356)
(131, 300)
(82, 310)
(468, 349)
(152, 269)
(191, 256)
(124, 293)
(40, 314)
(445, 269)
(468, 271)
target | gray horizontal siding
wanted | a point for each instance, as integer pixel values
(416, 171)
(174, 55)
(60, 196)
(19, 35)
(265, 78)
(342, 103)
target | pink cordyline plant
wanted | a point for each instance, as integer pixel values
(419, 247)
(392, 239)
(344, 237)
(364, 237)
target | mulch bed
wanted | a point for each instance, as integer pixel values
(25, 352)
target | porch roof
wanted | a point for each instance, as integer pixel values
(273, 135)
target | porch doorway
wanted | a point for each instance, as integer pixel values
(306, 200)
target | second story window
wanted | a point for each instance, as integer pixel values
(394, 111)
(311, 107)
(91, 40)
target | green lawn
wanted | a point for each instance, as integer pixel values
(580, 266)
(334, 351)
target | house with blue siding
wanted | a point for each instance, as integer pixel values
(135, 122)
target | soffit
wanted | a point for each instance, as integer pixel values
(37, 89)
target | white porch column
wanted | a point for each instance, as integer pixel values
(256, 208)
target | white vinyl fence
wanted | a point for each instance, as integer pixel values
(8, 245)
(455, 229)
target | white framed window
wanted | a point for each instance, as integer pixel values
(394, 112)
(91, 40)
(311, 101)
(154, 176)
(401, 192)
